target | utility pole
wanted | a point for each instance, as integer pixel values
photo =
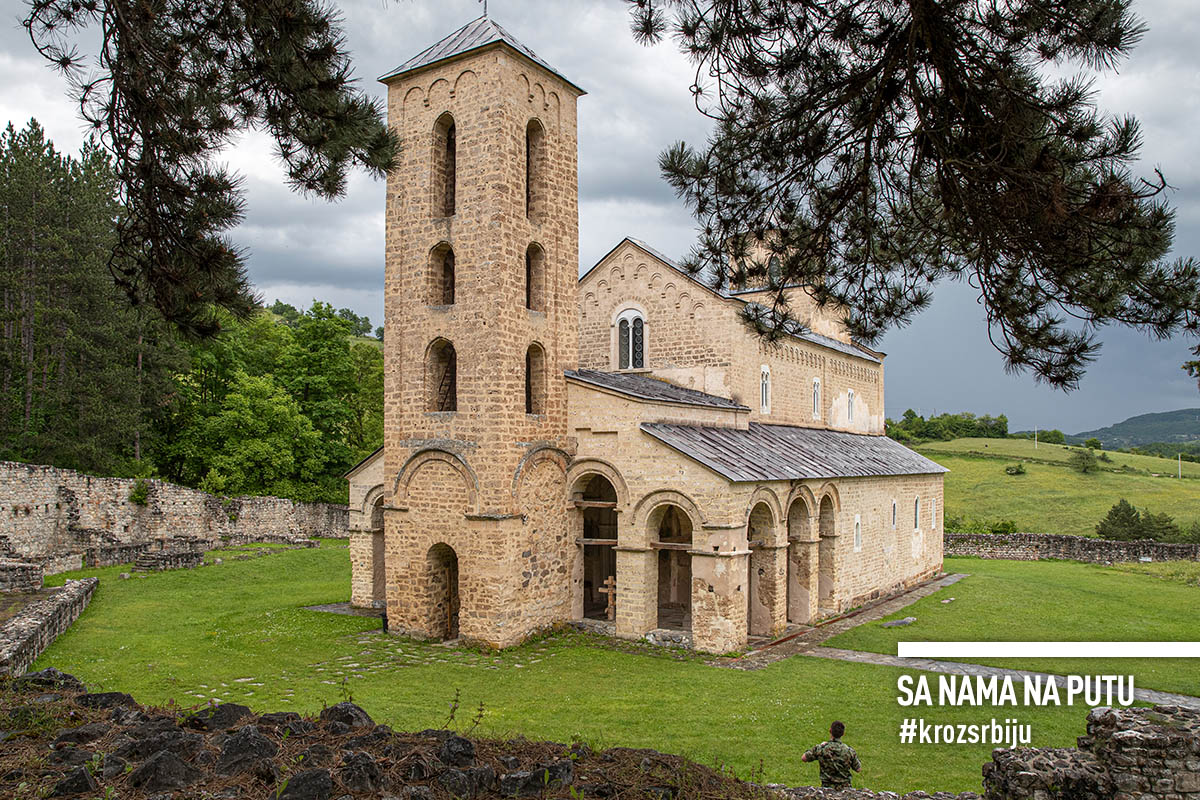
(1035, 433)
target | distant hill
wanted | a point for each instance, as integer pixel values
(1167, 426)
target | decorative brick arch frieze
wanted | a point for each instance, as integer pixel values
(417, 460)
(538, 454)
(595, 466)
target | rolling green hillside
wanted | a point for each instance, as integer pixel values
(1051, 497)
(1169, 426)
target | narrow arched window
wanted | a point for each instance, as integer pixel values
(535, 278)
(445, 166)
(535, 380)
(850, 406)
(774, 271)
(917, 512)
(933, 514)
(535, 156)
(764, 389)
(858, 540)
(893, 515)
(816, 398)
(441, 377)
(441, 276)
(631, 341)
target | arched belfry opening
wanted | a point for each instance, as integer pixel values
(827, 582)
(596, 499)
(535, 278)
(535, 170)
(441, 377)
(441, 275)
(441, 564)
(445, 166)
(671, 535)
(535, 379)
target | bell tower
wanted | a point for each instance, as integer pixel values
(481, 309)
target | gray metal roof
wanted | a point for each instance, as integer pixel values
(785, 452)
(646, 388)
(472, 36)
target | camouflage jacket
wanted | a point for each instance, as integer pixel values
(836, 760)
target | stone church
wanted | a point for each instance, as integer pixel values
(616, 447)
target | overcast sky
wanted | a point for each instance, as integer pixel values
(638, 104)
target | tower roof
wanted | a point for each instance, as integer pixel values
(475, 35)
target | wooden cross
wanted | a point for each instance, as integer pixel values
(609, 587)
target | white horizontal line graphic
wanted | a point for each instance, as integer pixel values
(969, 650)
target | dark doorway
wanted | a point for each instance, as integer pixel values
(443, 591)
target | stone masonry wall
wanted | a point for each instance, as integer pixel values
(64, 519)
(1037, 546)
(25, 636)
(1152, 754)
(19, 577)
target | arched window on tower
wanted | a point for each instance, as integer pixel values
(445, 166)
(535, 172)
(441, 377)
(441, 276)
(535, 278)
(774, 271)
(631, 340)
(535, 380)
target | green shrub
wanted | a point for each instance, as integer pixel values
(1015, 469)
(1052, 436)
(1160, 528)
(139, 495)
(961, 524)
(1093, 444)
(1084, 461)
(1123, 523)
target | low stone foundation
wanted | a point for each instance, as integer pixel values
(18, 577)
(25, 636)
(1128, 753)
(168, 559)
(1037, 546)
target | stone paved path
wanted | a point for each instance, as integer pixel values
(807, 638)
(959, 668)
(808, 642)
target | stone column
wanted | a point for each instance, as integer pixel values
(637, 591)
(769, 563)
(803, 580)
(719, 600)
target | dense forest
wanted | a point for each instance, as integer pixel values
(914, 428)
(281, 403)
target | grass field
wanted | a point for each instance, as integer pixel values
(1055, 601)
(237, 632)
(1051, 497)
(1023, 450)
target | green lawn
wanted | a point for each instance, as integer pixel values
(1053, 498)
(1023, 450)
(236, 631)
(1004, 601)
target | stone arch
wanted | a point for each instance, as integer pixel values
(594, 466)
(374, 494)
(650, 502)
(535, 456)
(440, 286)
(829, 490)
(441, 581)
(535, 379)
(801, 566)
(762, 494)
(672, 531)
(536, 288)
(554, 108)
(466, 81)
(536, 168)
(444, 165)
(762, 593)
(805, 493)
(417, 460)
(441, 376)
(827, 600)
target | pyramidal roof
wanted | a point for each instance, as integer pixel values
(472, 36)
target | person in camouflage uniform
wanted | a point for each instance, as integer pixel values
(836, 759)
